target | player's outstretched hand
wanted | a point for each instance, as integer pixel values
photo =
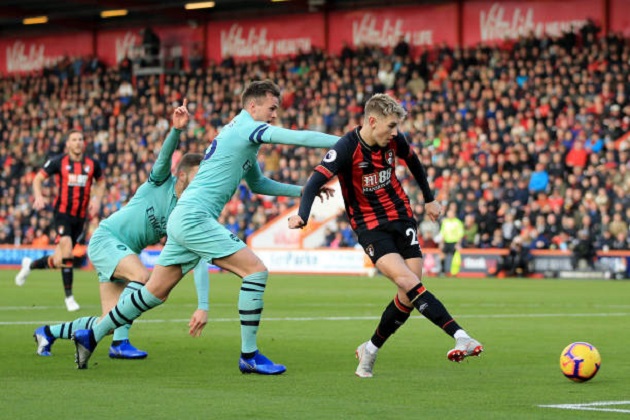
(296, 222)
(433, 210)
(181, 116)
(325, 192)
(94, 208)
(197, 322)
(39, 203)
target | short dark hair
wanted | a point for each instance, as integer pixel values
(258, 90)
(71, 132)
(188, 161)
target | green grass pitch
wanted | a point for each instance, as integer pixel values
(313, 325)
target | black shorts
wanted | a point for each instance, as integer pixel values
(398, 237)
(71, 226)
(450, 248)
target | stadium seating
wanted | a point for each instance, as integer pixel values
(525, 139)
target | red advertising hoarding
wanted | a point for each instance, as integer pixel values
(494, 21)
(23, 55)
(113, 46)
(421, 26)
(620, 17)
(269, 37)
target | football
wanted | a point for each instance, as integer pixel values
(580, 361)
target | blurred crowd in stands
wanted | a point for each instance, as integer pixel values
(524, 140)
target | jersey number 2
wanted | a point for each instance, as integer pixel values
(412, 233)
(210, 151)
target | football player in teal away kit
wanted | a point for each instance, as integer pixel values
(116, 244)
(194, 232)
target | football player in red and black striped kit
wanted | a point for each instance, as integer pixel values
(75, 177)
(379, 211)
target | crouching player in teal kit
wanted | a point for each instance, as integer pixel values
(194, 232)
(116, 244)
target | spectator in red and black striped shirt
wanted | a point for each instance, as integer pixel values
(380, 214)
(75, 176)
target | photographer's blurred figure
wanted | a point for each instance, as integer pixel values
(151, 46)
(584, 251)
(517, 261)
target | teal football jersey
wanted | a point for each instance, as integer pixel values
(232, 156)
(142, 222)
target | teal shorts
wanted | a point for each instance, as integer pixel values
(105, 251)
(193, 237)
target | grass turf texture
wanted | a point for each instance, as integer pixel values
(313, 325)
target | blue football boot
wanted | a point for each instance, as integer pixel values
(261, 365)
(125, 350)
(85, 344)
(44, 341)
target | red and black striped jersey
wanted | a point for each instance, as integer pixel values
(74, 180)
(372, 193)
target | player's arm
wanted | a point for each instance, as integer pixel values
(39, 201)
(335, 159)
(199, 318)
(52, 166)
(260, 184)
(161, 170)
(265, 133)
(432, 207)
(97, 192)
(314, 184)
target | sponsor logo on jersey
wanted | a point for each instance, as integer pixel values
(376, 180)
(75, 180)
(158, 224)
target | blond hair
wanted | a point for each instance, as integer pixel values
(384, 105)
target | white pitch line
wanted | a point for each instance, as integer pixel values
(191, 305)
(594, 406)
(332, 305)
(343, 318)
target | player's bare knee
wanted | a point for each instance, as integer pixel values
(260, 266)
(65, 240)
(160, 290)
(406, 281)
(402, 297)
(160, 293)
(142, 277)
(254, 266)
(57, 260)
